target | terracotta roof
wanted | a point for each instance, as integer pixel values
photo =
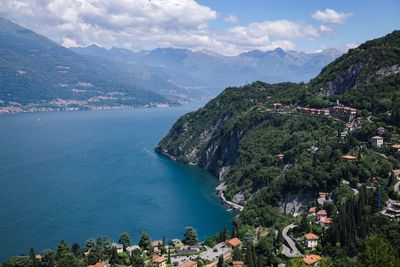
(321, 212)
(312, 210)
(349, 157)
(99, 264)
(234, 242)
(377, 137)
(397, 146)
(159, 259)
(323, 194)
(187, 263)
(311, 236)
(311, 259)
(237, 263)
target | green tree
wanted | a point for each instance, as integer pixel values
(90, 243)
(378, 253)
(169, 255)
(144, 242)
(237, 254)
(220, 261)
(32, 257)
(125, 240)
(62, 249)
(137, 259)
(75, 249)
(69, 260)
(190, 236)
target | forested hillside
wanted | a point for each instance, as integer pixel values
(267, 145)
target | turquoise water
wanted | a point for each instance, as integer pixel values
(77, 175)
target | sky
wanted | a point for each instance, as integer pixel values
(229, 27)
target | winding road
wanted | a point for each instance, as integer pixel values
(292, 250)
(231, 204)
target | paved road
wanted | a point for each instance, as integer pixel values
(230, 203)
(292, 250)
(212, 255)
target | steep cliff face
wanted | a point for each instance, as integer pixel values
(211, 136)
(370, 62)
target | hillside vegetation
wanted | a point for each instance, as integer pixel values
(265, 155)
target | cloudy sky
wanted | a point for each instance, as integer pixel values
(225, 26)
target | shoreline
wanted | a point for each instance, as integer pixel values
(219, 190)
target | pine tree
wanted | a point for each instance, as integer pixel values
(32, 257)
(169, 255)
(220, 261)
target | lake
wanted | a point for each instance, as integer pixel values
(79, 175)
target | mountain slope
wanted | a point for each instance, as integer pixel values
(238, 135)
(36, 70)
(204, 69)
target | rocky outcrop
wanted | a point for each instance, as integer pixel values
(346, 80)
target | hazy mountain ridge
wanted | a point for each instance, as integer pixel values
(206, 69)
(35, 70)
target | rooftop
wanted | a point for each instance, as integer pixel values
(311, 236)
(311, 259)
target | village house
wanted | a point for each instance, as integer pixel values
(313, 111)
(160, 261)
(279, 106)
(311, 240)
(312, 211)
(322, 198)
(237, 264)
(280, 156)
(233, 243)
(396, 147)
(311, 259)
(377, 141)
(118, 247)
(321, 214)
(188, 263)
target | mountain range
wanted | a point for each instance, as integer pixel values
(36, 71)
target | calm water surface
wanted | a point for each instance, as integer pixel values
(77, 175)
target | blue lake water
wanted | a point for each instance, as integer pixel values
(83, 174)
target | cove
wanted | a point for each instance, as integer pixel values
(83, 174)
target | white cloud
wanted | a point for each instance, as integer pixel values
(231, 19)
(330, 16)
(325, 28)
(145, 24)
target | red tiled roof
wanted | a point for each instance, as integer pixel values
(159, 259)
(312, 210)
(349, 157)
(311, 259)
(311, 236)
(188, 263)
(234, 242)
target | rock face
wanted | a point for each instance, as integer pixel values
(346, 80)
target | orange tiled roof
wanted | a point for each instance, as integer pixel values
(311, 259)
(311, 236)
(349, 157)
(188, 263)
(159, 259)
(377, 137)
(397, 146)
(234, 242)
(312, 210)
(237, 263)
